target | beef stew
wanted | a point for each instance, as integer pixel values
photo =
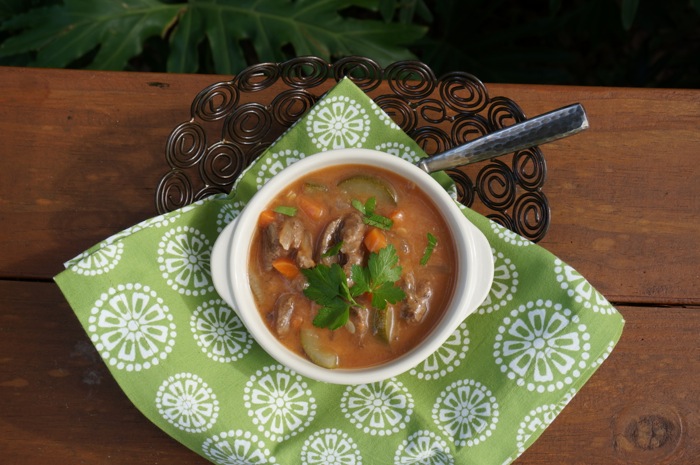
(352, 266)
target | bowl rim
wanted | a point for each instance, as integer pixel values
(240, 239)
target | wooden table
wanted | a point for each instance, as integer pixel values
(81, 153)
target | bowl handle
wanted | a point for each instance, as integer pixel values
(484, 269)
(220, 259)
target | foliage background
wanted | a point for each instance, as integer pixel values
(581, 42)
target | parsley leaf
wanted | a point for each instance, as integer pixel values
(333, 251)
(285, 210)
(383, 265)
(432, 243)
(328, 287)
(379, 278)
(387, 293)
(325, 283)
(334, 315)
(370, 218)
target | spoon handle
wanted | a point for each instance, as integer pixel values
(539, 130)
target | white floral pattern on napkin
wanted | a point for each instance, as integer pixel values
(146, 300)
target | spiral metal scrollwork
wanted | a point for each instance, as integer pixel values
(463, 92)
(431, 110)
(502, 219)
(412, 80)
(248, 124)
(174, 191)
(222, 164)
(215, 102)
(465, 187)
(290, 105)
(531, 215)
(431, 139)
(399, 111)
(496, 185)
(530, 168)
(504, 112)
(365, 73)
(469, 127)
(186, 145)
(438, 113)
(257, 78)
(304, 73)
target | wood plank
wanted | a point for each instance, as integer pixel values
(88, 150)
(58, 399)
(86, 153)
(624, 195)
(641, 406)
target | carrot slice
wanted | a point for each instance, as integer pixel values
(312, 208)
(266, 217)
(286, 266)
(375, 240)
(396, 216)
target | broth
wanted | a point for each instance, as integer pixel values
(313, 224)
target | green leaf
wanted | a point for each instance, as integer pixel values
(328, 287)
(386, 9)
(274, 29)
(379, 278)
(387, 292)
(333, 251)
(286, 210)
(383, 265)
(309, 27)
(432, 243)
(65, 33)
(325, 283)
(695, 4)
(361, 279)
(629, 11)
(370, 218)
(333, 315)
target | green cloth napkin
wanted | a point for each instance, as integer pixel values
(145, 298)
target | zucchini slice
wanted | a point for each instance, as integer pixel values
(317, 353)
(363, 186)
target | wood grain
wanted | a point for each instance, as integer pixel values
(82, 153)
(60, 401)
(84, 161)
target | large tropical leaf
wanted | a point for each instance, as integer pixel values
(108, 33)
(61, 34)
(310, 27)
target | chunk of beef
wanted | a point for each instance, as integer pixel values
(271, 247)
(360, 320)
(352, 234)
(282, 313)
(417, 298)
(350, 230)
(305, 252)
(284, 237)
(329, 237)
(291, 233)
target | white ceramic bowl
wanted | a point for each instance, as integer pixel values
(232, 249)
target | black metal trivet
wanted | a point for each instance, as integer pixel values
(232, 123)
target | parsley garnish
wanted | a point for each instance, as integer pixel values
(328, 287)
(379, 277)
(432, 243)
(289, 211)
(333, 251)
(370, 218)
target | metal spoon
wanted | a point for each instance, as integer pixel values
(539, 130)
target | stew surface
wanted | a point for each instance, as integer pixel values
(352, 266)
